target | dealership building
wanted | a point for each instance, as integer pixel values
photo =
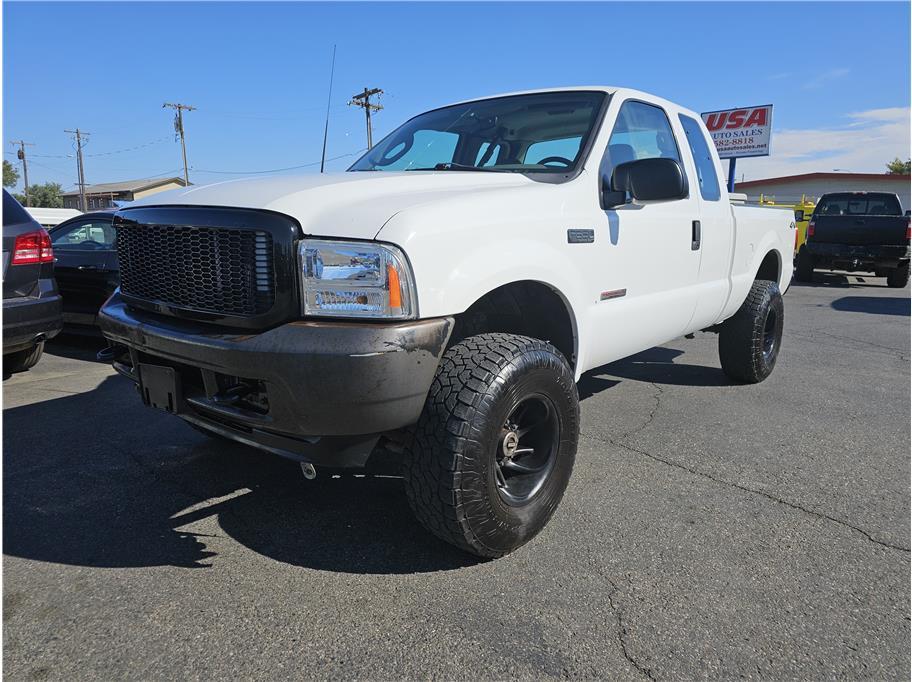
(791, 188)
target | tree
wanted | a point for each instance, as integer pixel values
(43, 196)
(898, 167)
(10, 174)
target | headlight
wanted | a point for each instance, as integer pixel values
(356, 279)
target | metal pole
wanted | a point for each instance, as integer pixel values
(731, 174)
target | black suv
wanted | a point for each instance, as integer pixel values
(31, 302)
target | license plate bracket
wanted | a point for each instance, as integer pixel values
(160, 387)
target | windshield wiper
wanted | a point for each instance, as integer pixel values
(457, 167)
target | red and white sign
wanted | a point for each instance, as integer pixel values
(741, 132)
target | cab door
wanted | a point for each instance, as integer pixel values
(648, 254)
(84, 259)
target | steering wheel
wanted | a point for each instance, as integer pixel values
(555, 159)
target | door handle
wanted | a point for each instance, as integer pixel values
(695, 235)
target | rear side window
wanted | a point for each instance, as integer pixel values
(86, 236)
(13, 213)
(703, 159)
(858, 204)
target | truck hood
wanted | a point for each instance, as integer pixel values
(355, 204)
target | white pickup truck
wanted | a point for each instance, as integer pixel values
(439, 301)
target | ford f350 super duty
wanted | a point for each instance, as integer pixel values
(440, 299)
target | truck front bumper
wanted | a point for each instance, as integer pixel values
(316, 391)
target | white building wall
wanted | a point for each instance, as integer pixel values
(790, 191)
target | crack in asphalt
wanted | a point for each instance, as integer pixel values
(623, 632)
(761, 493)
(814, 334)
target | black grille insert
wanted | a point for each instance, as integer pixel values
(223, 271)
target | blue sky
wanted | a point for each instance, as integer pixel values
(837, 74)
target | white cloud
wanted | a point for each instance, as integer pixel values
(864, 144)
(822, 79)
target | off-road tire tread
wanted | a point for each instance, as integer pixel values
(438, 443)
(742, 333)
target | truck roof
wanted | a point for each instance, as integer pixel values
(622, 92)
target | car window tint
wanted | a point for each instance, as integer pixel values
(703, 159)
(85, 236)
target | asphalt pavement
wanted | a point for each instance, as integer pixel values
(709, 531)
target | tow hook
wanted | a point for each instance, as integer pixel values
(309, 471)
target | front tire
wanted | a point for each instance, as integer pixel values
(749, 340)
(22, 360)
(898, 277)
(491, 455)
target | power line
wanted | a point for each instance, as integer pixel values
(362, 99)
(179, 127)
(20, 154)
(278, 170)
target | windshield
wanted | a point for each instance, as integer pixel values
(540, 133)
(859, 204)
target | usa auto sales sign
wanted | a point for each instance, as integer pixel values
(741, 132)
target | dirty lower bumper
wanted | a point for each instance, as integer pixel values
(316, 391)
(28, 319)
(853, 256)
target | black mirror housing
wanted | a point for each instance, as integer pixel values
(645, 180)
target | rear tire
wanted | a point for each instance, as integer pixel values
(804, 269)
(22, 360)
(898, 278)
(491, 455)
(749, 341)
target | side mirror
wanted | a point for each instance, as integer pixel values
(644, 180)
(799, 215)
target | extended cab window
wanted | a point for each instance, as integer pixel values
(642, 131)
(87, 236)
(703, 159)
(858, 204)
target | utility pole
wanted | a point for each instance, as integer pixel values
(362, 99)
(20, 154)
(179, 126)
(80, 168)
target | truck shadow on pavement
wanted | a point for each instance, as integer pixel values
(874, 305)
(653, 366)
(105, 482)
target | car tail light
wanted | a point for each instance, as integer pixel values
(33, 247)
(811, 229)
(908, 230)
